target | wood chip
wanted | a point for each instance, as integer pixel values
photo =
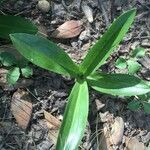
(53, 124)
(69, 29)
(21, 107)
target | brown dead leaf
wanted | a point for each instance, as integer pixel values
(21, 108)
(112, 136)
(53, 124)
(69, 29)
(117, 131)
(133, 144)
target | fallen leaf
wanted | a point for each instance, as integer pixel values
(88, 12)
(53, 124)
(117, 131)
(111, 136)
(69, 29)
(133, 144)
(21, 108)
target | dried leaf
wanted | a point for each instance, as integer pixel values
(53, 124)
(69, 29)
(117, 131)
(21, 108)
(88, 12)
(113, 136)
(133, 144)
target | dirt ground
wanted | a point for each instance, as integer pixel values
(48, 91)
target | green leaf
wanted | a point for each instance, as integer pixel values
(121, 63)
(15, 24)
(13, 75)
(75, 118)
(109, 41)
(146, 107)
(134, 105)
(118, 84)
(138, 52)
(44, 53)
(27, 71)
(7, 59)
(133, 66)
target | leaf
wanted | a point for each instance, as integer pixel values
(7, 59)
(121, 63)
(109, 41)
(88, 12)
(134, 105)
(133, 66)
(15, 24)
(132, 143)
(69, 29)
(75, 118)
(21, 108)
(27, 71)
(13, 75)
(53, 125)
(118, 84)
(146, 107)
(138, 52)
(44, 53)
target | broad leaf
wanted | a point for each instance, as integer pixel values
(138, 52)
(15, 24)
(118, 84)
(121, 63)
(146, 107)
(27, 71)
(75, 118)
(133, 66)
(134, 105)
(13, 75)
(110, 40)
(44, 53)
(7, 59)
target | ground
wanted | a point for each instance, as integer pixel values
(48, 91)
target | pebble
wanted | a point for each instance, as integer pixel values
(44, 5)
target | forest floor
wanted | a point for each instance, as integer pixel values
(47, 92)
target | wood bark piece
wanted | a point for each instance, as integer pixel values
(21, 107)
(69, 29)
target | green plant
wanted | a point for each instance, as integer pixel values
(140, 101)
(131, 64)
(15, 24)
(48, 55)
(16, 67)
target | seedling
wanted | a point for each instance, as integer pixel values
(48, 55)
(16, 67)
(140, 101)
(131, 64)
(8, 60)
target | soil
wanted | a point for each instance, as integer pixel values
(49, 91)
